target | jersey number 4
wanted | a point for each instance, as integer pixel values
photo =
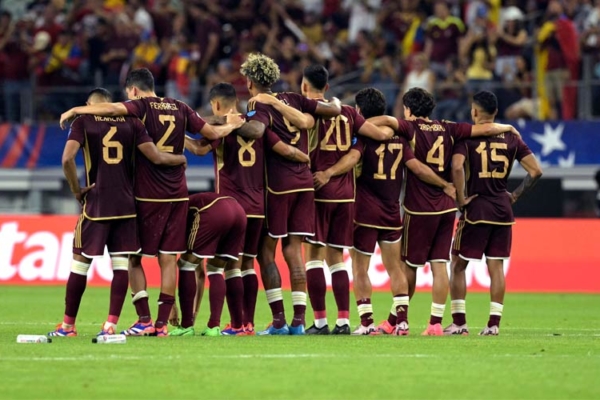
(435, 155)
(500, 158)
(391, 147)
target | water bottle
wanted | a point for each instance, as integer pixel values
(110, 339)
(33, 339)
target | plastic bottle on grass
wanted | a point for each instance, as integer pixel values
(110, 339)
(33, 339)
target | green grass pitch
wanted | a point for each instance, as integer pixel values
(549, 348)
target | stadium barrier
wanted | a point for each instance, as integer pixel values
(549, 255)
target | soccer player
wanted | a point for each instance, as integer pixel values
(485, 226)
(161, 193)
(332, 141)
(239, 172)
(429, 213)
(290, 191)
(108, 217)
(216, 229)
(377, 215)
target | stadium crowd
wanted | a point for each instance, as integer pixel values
(48, 48)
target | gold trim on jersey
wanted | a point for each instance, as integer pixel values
(211, 203)
(430, 213)
(291, 191)
(161, 200)
(404, 245)
(87, 158)
(387, 228)
(484, 221)
(194, 231)
(335, 201)
(107, 218)
(77, 235)
(255, 216)
(219, 153)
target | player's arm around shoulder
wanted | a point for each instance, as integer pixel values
(199, 147)
(291, 153)
(101, 109)
(330, 109)
(378, 133)
(492, 129)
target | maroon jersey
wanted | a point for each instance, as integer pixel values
(380, 181)
(489, 162)
(202, 201)
(240, 170)
(167, 120)
(109, 144)
(283, 175)
(432, 144)
(330, 140)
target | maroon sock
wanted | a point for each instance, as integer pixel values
(340, 282)
(142, 308)
(250, 295)
(216, 298)
(75, 288)
(435, 320)
(459, 318)
(235, 300)
(187, 295)
(367, 318)
(165, 304)
(401, 314)
(278, 314)
(392, 319)
(317, 288)
(494, 320)
(299, 315)
(118, 292)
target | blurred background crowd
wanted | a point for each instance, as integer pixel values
(540, 57)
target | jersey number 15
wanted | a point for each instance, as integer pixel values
(500, 158)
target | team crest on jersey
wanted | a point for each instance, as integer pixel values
(354, 140)
(251, 113)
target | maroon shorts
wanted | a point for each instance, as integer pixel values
(333, 224)
(162, 227)
(427, 238)
(219, 230)
(291, 214)
(366, 237)
(254, 231)
(120, 236)
(472, 241)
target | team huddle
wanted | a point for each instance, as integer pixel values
(314, 173)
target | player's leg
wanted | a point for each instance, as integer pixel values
(173, 243)
(339, 238)
(278, 208)
(292, 253)
(88, 241)
(187, 265)
(317, 287)
(254, 228)
(497, 251)
(216, 295)
(123, 240)
(231, 247)
(390, 255)
(364, 246)
(299, 227)
(442, 227)
(414, 248)
(200, 285)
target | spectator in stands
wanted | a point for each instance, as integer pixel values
(525, 106)
(182, 77)
(363, 16)
(510, 43)
(443, 33)
(451, 102)
(420, 76)
(402, 24)
(14, 60)
(207, 30)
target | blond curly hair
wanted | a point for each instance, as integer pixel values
(261, 69)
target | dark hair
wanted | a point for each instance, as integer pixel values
(487, 101)
(100, 92)
(419, 101)
(141, 78)
(371, 102)
(222, 90)
(317, 75)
